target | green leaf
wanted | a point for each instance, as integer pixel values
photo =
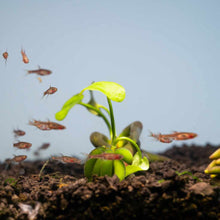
(112, 90)
(88, 168)
(130, 147)
(76, 99)
(132, 131)
(103, 167)
(143, 165)
(90, 163)
(99, 140)
(106, 168)
(136, 159)
(97, 167)
(119, 169)
(127, 155)
(132, 169)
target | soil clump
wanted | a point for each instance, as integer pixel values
(174, 189)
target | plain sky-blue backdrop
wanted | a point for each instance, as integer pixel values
(164, 53)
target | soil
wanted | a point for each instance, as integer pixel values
(165, 191)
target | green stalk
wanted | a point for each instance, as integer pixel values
(99, 113)
(113, 136)
(44, 165)
(131, 141)
(104, 108)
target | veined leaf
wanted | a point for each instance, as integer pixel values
(68, 105)
(112, 90)
(136, 159)
(143, 165)
(129, 169)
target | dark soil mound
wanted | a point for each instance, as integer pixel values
(173, 189)
(191, 155)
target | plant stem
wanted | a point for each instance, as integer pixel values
(99, 113)
(104, 108)
(45, 164)
(131, 141)
(112, 120)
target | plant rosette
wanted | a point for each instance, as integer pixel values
(125, 144)
(122, 167)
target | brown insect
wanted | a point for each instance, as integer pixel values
(19, 132)
(184, 135)
(22, 145)
(178, 136)
(5, 55)
(67, 159)
(19, 158)
(55, 126)
(24, 56)
(162, 138)
(44, 146)
(36, 153)
(107, 156)
(42, 125)
(50, 91)
(165, 139)
(41, 72)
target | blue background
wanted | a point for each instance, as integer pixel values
(164, 53)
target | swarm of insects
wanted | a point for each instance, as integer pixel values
(42, 125)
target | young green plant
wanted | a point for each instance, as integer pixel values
(125, 144)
